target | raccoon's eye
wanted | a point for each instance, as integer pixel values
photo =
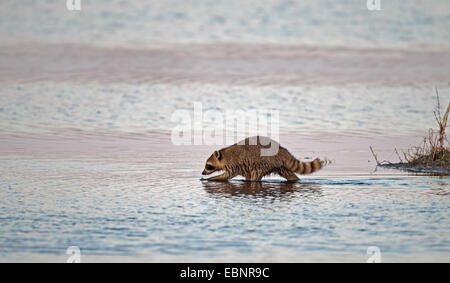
(209, 167)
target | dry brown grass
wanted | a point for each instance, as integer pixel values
(434, 151)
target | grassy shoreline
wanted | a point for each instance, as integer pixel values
(432, 156)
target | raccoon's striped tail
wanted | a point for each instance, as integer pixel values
(304, 167)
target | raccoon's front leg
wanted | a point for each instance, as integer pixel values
(253, 176)
(222, 177)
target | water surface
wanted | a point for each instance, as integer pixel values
(124, 197)
(86, 105)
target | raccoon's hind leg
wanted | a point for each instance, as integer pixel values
(222, 177)
(289, 175)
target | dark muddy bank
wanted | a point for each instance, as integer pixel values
(433, 168)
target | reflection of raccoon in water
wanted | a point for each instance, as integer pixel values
(270, 191)
(245, 159)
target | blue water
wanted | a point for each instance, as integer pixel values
(141, 107)
(86, 157)
(132, 197)
(122, 212)
(319, 22)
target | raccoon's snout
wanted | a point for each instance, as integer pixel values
(204, 173)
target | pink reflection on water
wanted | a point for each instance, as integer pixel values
(237, 64)
(349, 152)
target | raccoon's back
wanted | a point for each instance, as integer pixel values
(248, 153)
(257, 141)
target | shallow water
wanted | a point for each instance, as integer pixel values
(86, 106)
(124, 197)
(144, 220)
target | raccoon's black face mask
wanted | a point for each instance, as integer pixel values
(208, 169)
(215, 158)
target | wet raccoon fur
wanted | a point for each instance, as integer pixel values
(245, 159)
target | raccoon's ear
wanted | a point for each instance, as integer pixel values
(218, 154)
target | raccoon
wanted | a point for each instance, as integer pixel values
(245, 159)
